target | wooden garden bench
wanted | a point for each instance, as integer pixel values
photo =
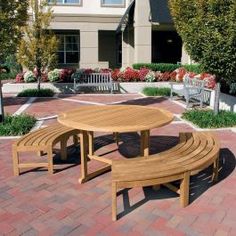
(192, 88)
(195, 152)
(93, 80)
(42, 141)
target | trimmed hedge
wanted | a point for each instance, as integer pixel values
(17, 125)
(207, 118)
(154, 91)
(163, 67)
(167, 67)
(196, 68)
(36, 93)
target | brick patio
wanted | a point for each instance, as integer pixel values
(40, 204)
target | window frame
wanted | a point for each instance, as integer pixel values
(66, 4)
(113, 5)
(65, 51)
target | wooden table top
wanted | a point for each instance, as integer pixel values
(115, 118)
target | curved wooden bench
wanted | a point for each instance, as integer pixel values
(195, 152)
(42, 141)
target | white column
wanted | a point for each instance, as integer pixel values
(89, 49)
(142, 33)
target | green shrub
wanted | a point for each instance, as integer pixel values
(163, 67)
(54, 75)
(13, 66)
(29, 77)
(36, 93)
(17, 125)
(153, 91)
(193, 68)
(207, 118)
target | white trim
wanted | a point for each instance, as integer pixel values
(83, 102)
(25, 106)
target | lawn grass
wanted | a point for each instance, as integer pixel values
(154, 91)
(17, 125)
(207, 118)
(36, 93)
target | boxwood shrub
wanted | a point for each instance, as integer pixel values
(207, 118)
(36, 93)
(17, 125)
(168, 67)
(154, 91)
(163, 67)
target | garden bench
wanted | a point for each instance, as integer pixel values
(42, 141)
(192, 88)
(195, 152)
(93, 80)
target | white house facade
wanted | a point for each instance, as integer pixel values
(115, 33)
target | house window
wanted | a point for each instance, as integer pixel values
(78, 2)
(119, 3)
(68, 52)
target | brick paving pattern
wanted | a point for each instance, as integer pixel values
(36, 203)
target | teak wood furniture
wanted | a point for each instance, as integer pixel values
(192, 88)
(93, 80)
(42, 141)
(195, 152)
(115, 119)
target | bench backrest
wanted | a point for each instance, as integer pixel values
(194, 84)
(96, 78)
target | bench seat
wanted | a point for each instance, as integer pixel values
(42, 141)
(195, 152)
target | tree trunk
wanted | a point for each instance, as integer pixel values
(1, 104)
(217, 98)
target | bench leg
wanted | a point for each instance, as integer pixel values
(184, 190)
(114, 201)
(215, 170)
(64, 149)
(116, 137)
(40, 153)
(50, 161)
(75, 139)
(15, 157)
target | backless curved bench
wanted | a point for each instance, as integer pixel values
(195, 152)
(42, 141)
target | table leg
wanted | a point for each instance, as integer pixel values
(144, 147)
(84, 156)
(90, 142)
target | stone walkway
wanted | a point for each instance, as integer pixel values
(40, 204)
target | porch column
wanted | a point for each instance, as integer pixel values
(89, 48)
(128, 47)
(142, 33)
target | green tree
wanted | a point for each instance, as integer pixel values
(207, 28)
(37, 49)
(13, 15)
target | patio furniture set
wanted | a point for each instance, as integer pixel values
(195, 151)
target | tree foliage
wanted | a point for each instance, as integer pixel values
(208, 30)
(13, 15)
(38, 47)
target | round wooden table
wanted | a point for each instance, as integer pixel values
(116, 119)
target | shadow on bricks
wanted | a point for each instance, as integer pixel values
(144, 101)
